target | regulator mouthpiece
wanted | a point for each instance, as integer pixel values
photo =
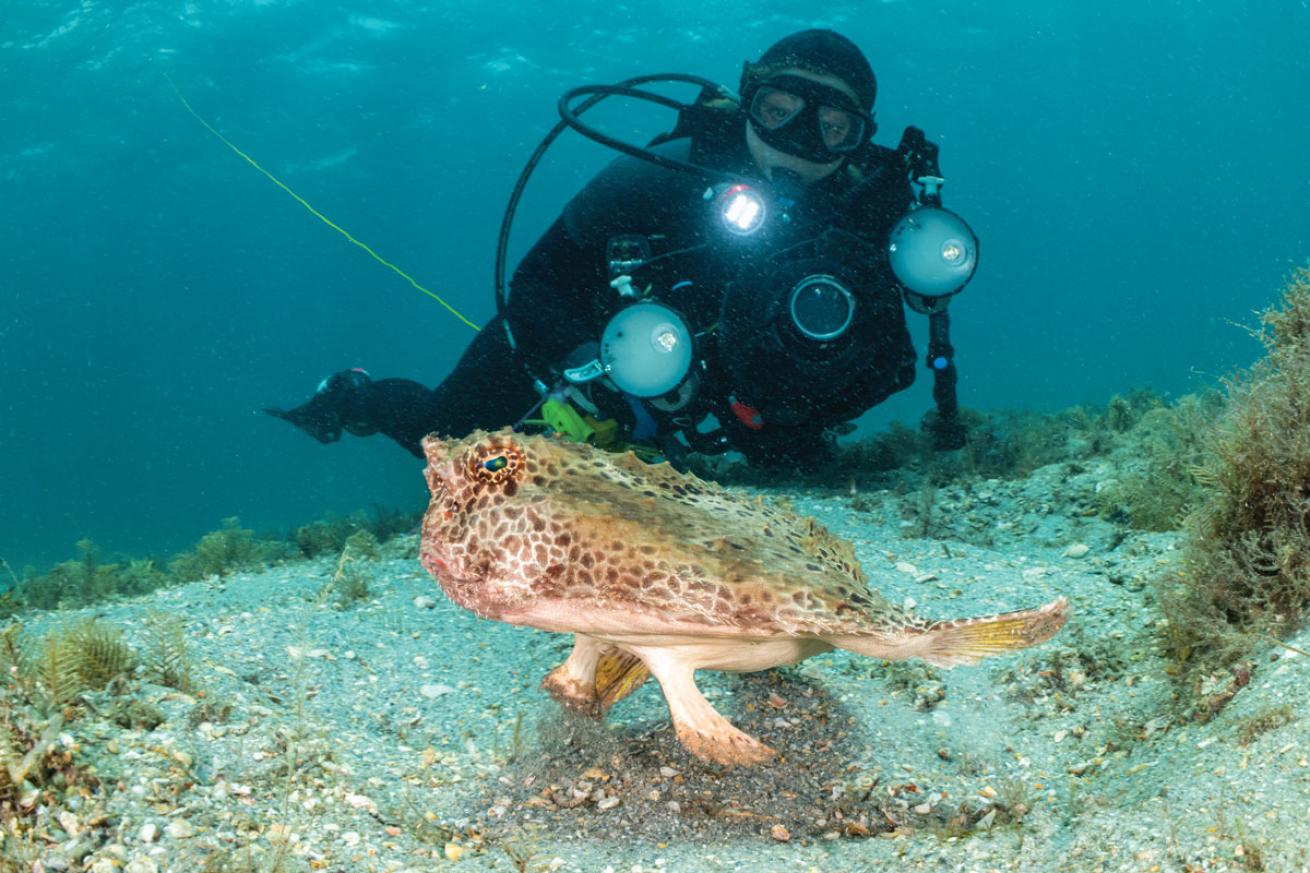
(646, 350)
(741, 209)
(933, 252)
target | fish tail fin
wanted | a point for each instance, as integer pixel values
(963, 641)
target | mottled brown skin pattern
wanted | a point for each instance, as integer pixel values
(577, 524)
(644, 560)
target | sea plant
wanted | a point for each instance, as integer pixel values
(52, 671)
(329, 536)
(45, 682)
(222, 552)
(1246, 567)
(100, 652)
(85, 580)
(79, 581)
(1167, 443)
(167, 655)
(9, 573)
(28, 758)
(326, 536)
(350, 580)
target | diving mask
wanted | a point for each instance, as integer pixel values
(807, 119)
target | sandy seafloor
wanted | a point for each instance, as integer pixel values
(420, 740)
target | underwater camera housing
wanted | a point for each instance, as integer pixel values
(818, 324)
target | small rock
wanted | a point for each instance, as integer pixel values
(608, 803)
(906, 567)
(179, 829)
(361, 801)
(780, 833)
(149, 832)
(425, 602)
(433, 691)
(668, 772)
(1076, 550)
(141, 865)
(68, 821)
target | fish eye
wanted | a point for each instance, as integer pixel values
(496, 464)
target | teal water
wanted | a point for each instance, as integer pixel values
(1136, 172)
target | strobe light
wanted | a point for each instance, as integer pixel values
(933, 252)
(646, 350)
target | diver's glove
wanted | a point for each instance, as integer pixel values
(945, 432)
(328, 411)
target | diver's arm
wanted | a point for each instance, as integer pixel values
(487, 389)
(401, 409)
(351, 401)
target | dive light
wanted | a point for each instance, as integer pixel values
(932, 252)
(741, 209)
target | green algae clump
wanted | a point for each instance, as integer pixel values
(1246, 567)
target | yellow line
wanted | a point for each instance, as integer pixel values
(320, 216)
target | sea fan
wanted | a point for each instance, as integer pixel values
(101, 651)
(57, 672)
(167, 655)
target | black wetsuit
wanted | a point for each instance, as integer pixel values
(560, 299)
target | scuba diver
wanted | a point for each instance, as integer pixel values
(737, 284)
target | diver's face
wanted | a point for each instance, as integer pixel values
(768, 159)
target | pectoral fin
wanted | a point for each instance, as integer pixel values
(618, 674)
